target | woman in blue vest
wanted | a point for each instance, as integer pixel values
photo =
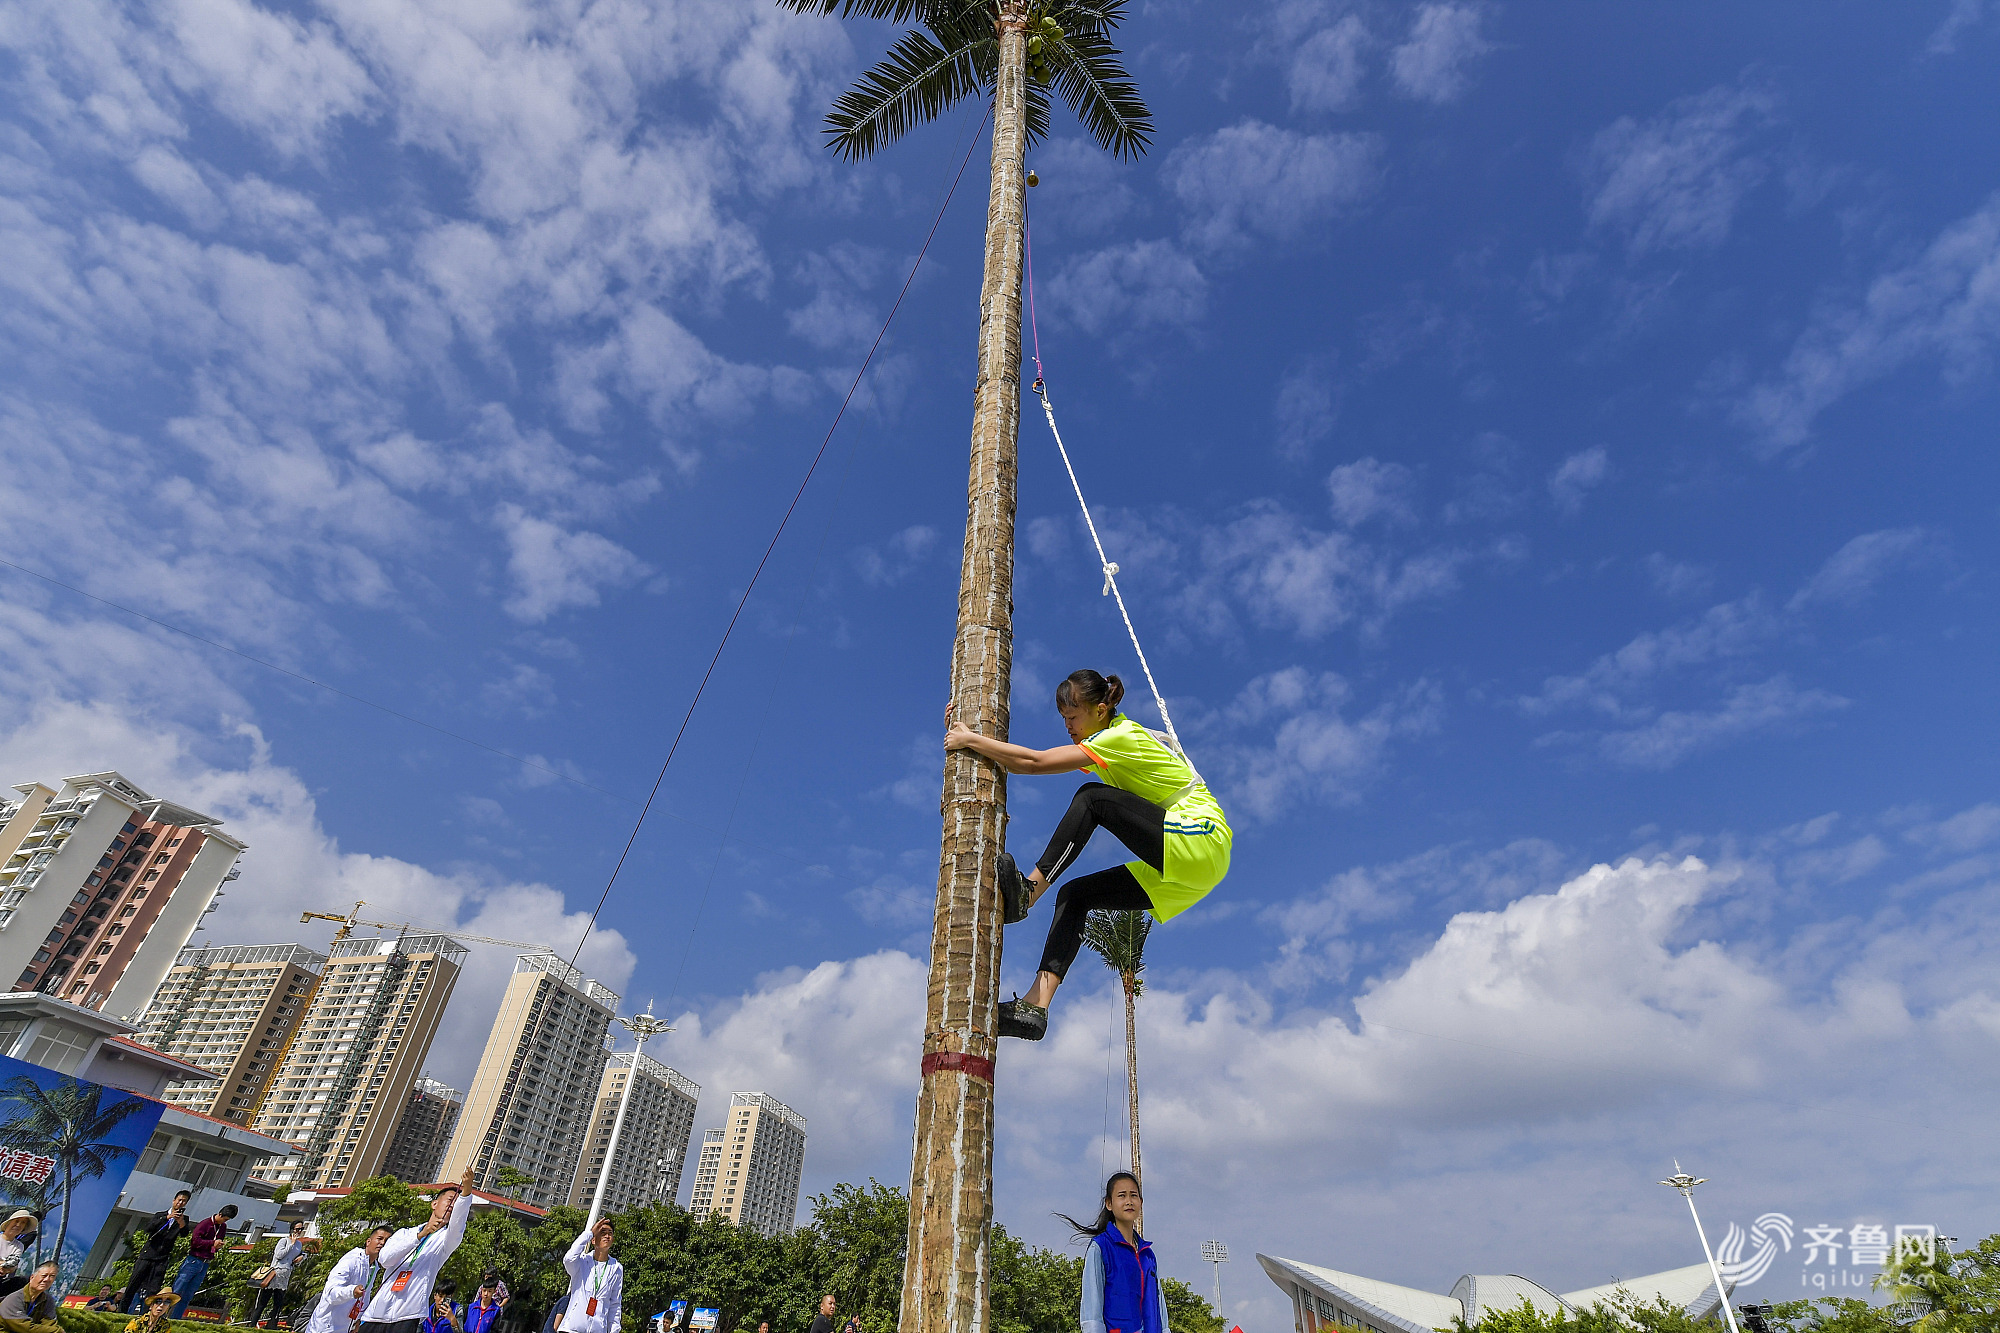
(1121, 1280)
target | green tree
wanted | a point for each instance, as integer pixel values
(69, 1124)
(1119, 938)
(1035, 1290)
(1188, 1311)
(1017, 52)
(511, 1181)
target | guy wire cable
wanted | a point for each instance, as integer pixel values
(791, 638)
(765, 559)
(509, 1093)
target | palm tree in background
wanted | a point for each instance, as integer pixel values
(69, 1124)
(1119, 938)
(1016, 52)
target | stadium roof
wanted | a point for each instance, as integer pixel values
(1387, 1308)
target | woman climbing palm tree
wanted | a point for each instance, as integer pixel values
(1149, 798)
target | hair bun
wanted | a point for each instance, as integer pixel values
(1115, 692)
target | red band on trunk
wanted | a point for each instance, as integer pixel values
(977, 1066)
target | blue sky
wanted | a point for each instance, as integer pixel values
(1535, 438)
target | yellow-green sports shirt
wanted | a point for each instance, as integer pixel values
(1127, 756)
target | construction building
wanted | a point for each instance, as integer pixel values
(530, 1101)
(232, 1009)
(366, 1036)
(653, 1146)
(1325, 1300)
(424, 1131)
(749, 1169)
(101, 884)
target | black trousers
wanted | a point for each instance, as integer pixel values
(146, 1279)
(393, 1326)
(271, 1299)
(1134, 821)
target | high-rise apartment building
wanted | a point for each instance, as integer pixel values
(425, 1130)
(652, 1148)
(749, 1169)
(344, 1083)
(531, 1096)
(101, 885)
(232, 1009)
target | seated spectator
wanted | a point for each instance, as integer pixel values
(159, 1309)
(32, 1309)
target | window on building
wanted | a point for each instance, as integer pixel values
(60, 1047)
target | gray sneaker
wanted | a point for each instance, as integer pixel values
(1016, 894)
(1018, 1018)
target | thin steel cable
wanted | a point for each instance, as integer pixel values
(765, 559)
(798, 616)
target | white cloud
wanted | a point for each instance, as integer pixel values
(1944, 305)
(1368, 487)
(1325, 71)
(1315, 751)
(1284, 573)
(1124, 289)
(1678, 579)
(1624, 686)
(293, 864)
(1578, 475)
(1443, 40)
(554, 569)
(1574, 1028)
(1964, 16)
(1674, 735)
(1857, 569)
(1254, 180)
(1675, 181)
(896, 559)
(280, 78)
(1306, 407)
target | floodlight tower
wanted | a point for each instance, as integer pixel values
(1215, 1252)
(1685, 1183)
(640, 1026)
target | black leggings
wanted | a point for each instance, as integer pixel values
(1134, 821)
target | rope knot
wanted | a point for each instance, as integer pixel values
(1110, 573)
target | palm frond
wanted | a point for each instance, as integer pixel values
(1119, 938)
(890, 11)
(1086, 71)
(915, 83)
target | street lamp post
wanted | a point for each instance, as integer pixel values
(641, 1026)
(1685, 1183)
(1215, 1252)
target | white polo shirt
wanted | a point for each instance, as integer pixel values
(337, 1296)
(590, 1280)
(410, 1251)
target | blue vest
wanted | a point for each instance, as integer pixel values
(1131, 1284)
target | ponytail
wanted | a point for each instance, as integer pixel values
(1104, 1218)
(1088, 688)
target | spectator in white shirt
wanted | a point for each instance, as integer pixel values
(349, 1286)
(596, 1284)
(411, 1260)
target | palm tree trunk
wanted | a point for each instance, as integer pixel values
(1132, 1081)
(946, 1276)
(62, 1232)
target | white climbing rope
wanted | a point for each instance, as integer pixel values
(1110, 574)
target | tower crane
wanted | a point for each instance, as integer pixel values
(353, 919)
(345, 927)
